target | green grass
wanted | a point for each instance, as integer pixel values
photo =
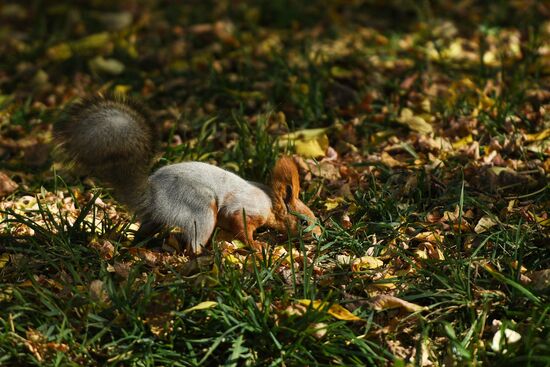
(73, 290)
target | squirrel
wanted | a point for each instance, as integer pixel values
(113, 139)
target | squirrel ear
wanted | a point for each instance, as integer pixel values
(285, 173)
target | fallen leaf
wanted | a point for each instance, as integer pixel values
(540, 280)
(4, 259)
(333, 203)
(463, 142)
(484, 224)
(504, 337)
(537, 136)
(201, 306)
(319, 330)
(387, 302)
(7, 186)
(390, 162)
(309, 143)
(415, 123)
(99, 64)
(365, 263)
(427, 250)
(335, 310)
(98, 292)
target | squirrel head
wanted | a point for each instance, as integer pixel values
(290, 213)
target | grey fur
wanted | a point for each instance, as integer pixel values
(184, 194)
(115, 141)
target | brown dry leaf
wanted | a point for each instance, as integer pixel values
(148, 256)
(7, 186)
(415, 123)
(427, 250)
(121, 269)
(325, 169)
(335, 310)
(540, 280)
(39, 346)
(391, 162)
(432, 237)
(98, 292)
(161, 325)
(105, 248)
(485, 223)
(387, 302)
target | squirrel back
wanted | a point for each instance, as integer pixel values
(113, 139)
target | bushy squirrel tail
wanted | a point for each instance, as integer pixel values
(113, 139)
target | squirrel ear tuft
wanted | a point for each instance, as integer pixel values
(285, 172)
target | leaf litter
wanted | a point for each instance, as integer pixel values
(426, 161)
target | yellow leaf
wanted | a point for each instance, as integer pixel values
(309, 143)
(415, 123)
(342, 314)
(366, 263)
(201, 306)
(4, 259)
(238, 243)
(91, 43)
(545, 222)
(122, 89)
(110, 66)
(316, 304)
(386, 302)
(383, 284)
(538, 136)
(463, 142)
(335, 310)
(232, 259)
(333, 203)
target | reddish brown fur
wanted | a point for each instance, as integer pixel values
(285, 174)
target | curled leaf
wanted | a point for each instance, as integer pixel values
(386, 302)
(484, 224)
(201, 306)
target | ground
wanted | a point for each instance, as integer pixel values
(422, 134)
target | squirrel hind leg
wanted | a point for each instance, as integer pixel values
(198, 230)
